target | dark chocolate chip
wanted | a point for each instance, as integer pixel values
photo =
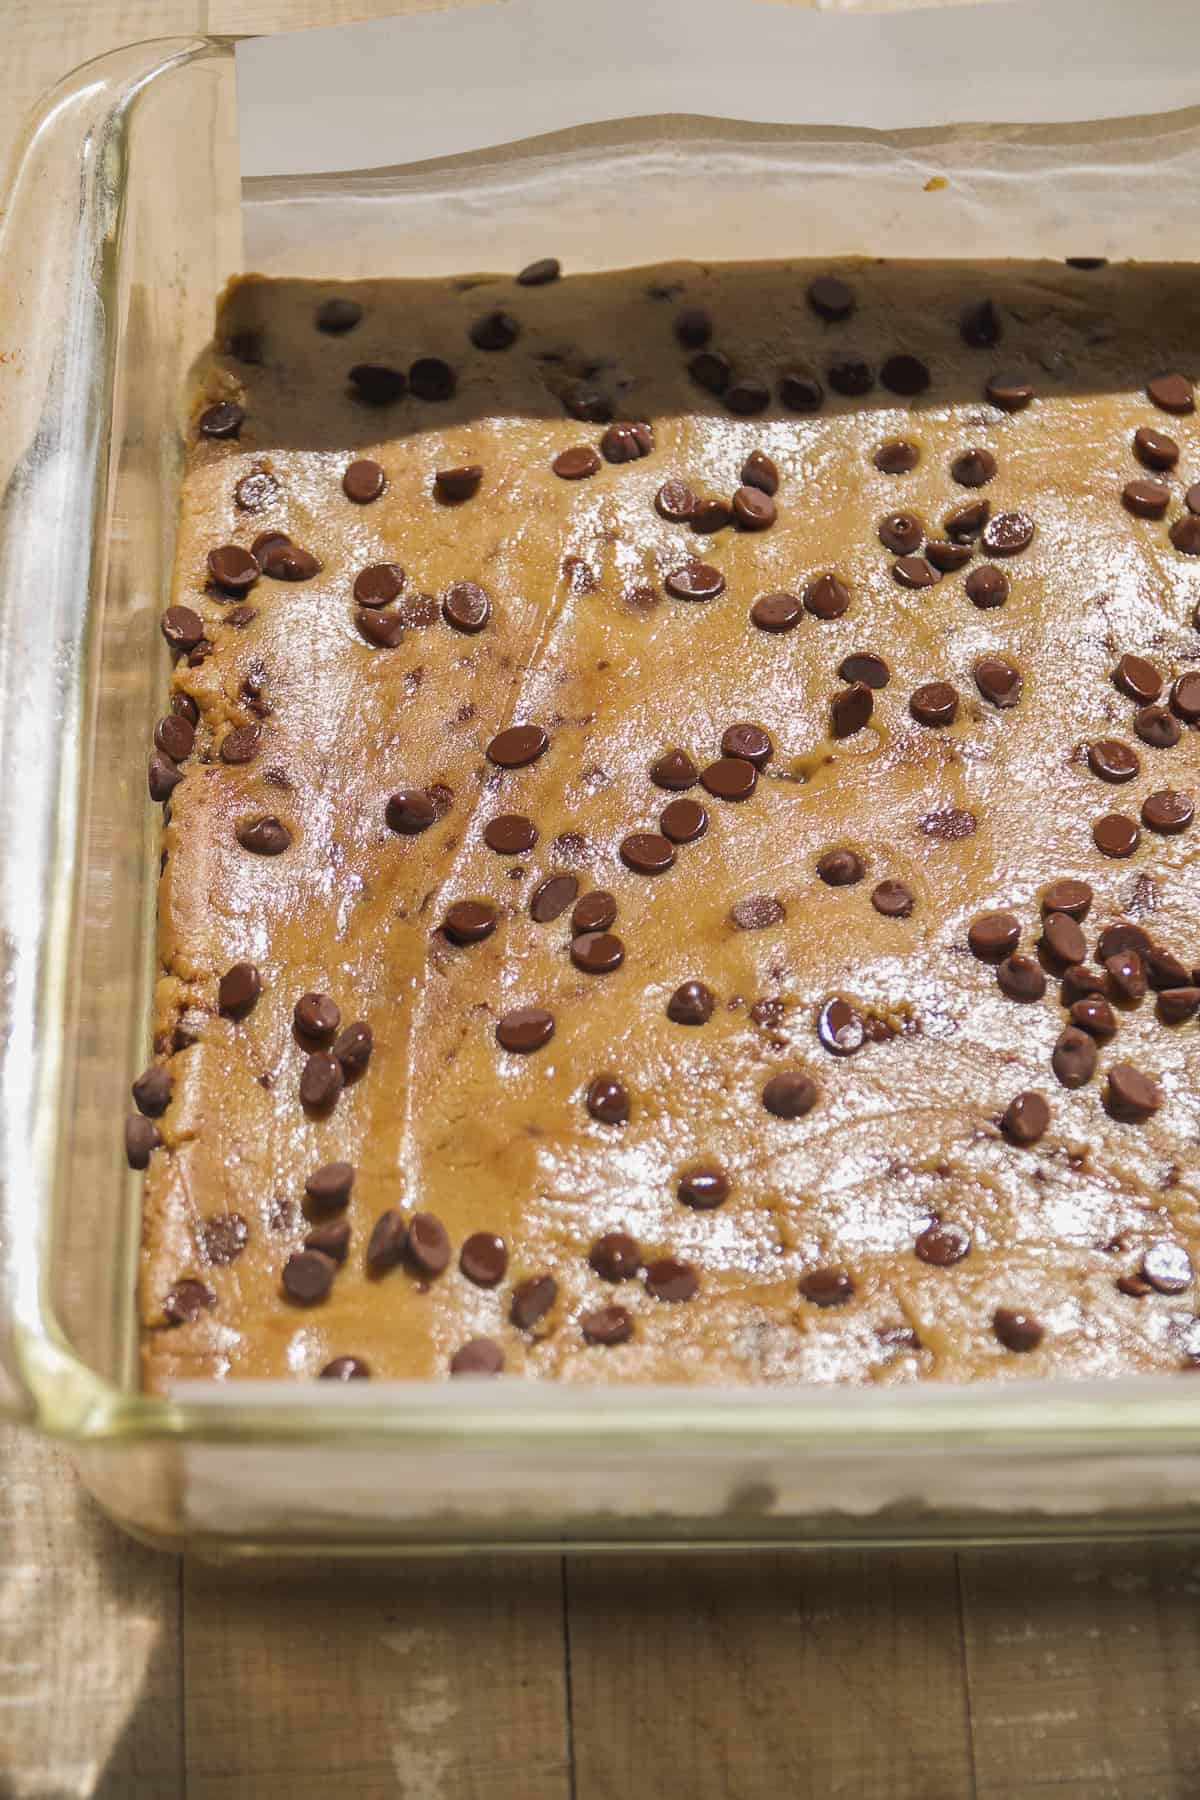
(1122, 936)
(1157, 727)
(232, 569)
(321, 1081)
(711, 371)
(1115, 835)
(551, 898)
(904, 375)
(676, 502)
(518, 746)
(1074, 1057)
(316, 1016)
(615, 1256)
(537, 274)
(998, 681)
(790, 1094)
(979, 325)
(1185, 535)
(409, 811)
(374, 384)
(239, 989)
(830, 298)
(469, 922)
(1009, 392)
(994, 935)
(186, 1301)
(495, 331)
(483, 1258)
(749, 742)
(388, 1240)
(142, 1137)
(760, 471)
(265, 836)
(606, 1325)
(757, 912)
(337, 315)
(691, 1004)
(896, 456)
(595, 912)
(799, 392)
(627, 441)
(353, 1048)
(695, 581)
(308, 1276)
(841, 868)
(1133, 1097)
(1146, 497)
(850, 376)
(431, 379)
(1068, 896)
(466, 606)
(893, 900)
(597, 952)
(1094, 1015)
(510, 834)
(943, 1244)
(753, 509)
(1154, 449)
(241, 744)
(1176, 1005)
(1168, 811)
(525, 1029)
(861, 665)
(826, 597)
(532, 1300)
(152, 1091)
(225, 1236)
(934, 704)
(986, 586)
(1164, 970)
(901, 532)
(1008, 533)
(946, 556)
(254, 493)
(428, 1246)
(607, 1100)
(670, 1280)
(827, 1287)
(345, 1368)
(332, 1239)
(965, 523)
(1172, 393)
(973, 468)
(683, 821)
(674, 770)
(587, 404)
(1063, 939)
(363, 482)
(576, 463)
(1026, 1118)
(458, 484)
(478, 1356)
(223, 419)
(1126, 976)
(330, 1185)
(914, 572)
(288, 562)
(704, 1188)
(162, 776)
(647, 852)
(1080, 983)
(693, 327)
(1016, 1330)
(1021, 978)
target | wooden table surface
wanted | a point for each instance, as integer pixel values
(922, 1676)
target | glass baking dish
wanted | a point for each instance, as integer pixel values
(126, 220)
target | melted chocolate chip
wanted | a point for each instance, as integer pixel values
(758, 912)
(1157, 727)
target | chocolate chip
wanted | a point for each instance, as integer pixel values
(1094, 1015)
(676, 502)
(152, 1091)
(483, 1258)
(162, 776)
(1146, 498)
(1122, 936)
(1156, 727)
(986, 586)
(332, 1239)
(615, 1256)
(233, 569)
(186, 1301)
(594, 912)
(850, 376)
(240, 616)
(851, 710)
(409, 811)
(647, 852)
(537, 274)
(607, 1100)
(965, 523)
(597, 952)
(759, 471)
(893, 900)
(458, 484)
(1067, 896)
(532, 1300)
(827, 1287)
(588, 404)
(749, 742)
(691, 1004)
(683, 821)
(1016, 1330)
(914, 572)
(379, 584)
(830, 298)
(265, 836)
(901, 532)
(374, 384)
(1165, 1265)
(551, 898)
(495, 331)
(790, 1094)
(994, 935)
(998, 681)
(1063, 939)
(241, 744)
(1079, 983)
(693, 327)
(1020, 978)
(1133, 1097)
(288, 562)
(1126, 976)
(478, 1356)
(840, 1029)
(799, 392)
(711, 370)
(321, 1081)
(353, 1048)
(576, 463)
(316, 1016)
(1112, 760)
(862, 666)
(469, 922)
(1008, 392)
(1185, 535)
(1175, 1005)
(431, 379)
(1185, 698)
(710, 516)
(1074, 1057)
(518, 746)
(1138, 678)
(674, 770)
(1167, 811)
(223, 419)
(1026, 1118)
(1164, 970)
(308, 1276)
(841, 868)
(525, 1029)
(704, 1188)
(756, 913)
(826, 597)
(142, 1137)
(1155, 449)
(337, 315)
(934, 704)
(224, 1236)
(428, 1245)
(896, 456)
(946, 556)
(627, 442)
(510, 834)
(943, 1244)
(466, 607)
(1007, 533)
(238, 989)
(330, 1185)
(973, 468)
(254, 493)
(1172, 393)
(695, 581)
(905, 375)
(670, 1280)
(979, 325)
(345, 1368)
(363, 482)
(730, 778)
(388, 1240)
(1115, 835)
(753, 509)
(607, 1325)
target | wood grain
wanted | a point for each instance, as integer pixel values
(856, 1676)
